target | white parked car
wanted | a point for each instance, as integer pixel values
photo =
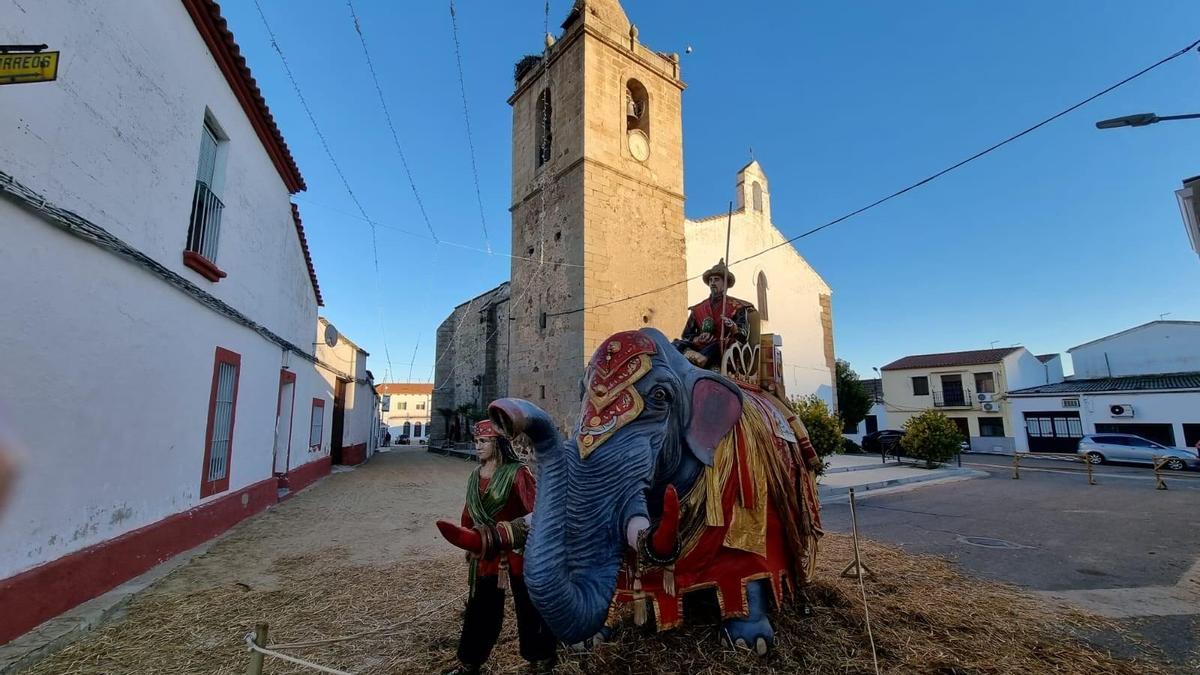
(1101, 448)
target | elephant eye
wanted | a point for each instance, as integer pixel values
(660, 394)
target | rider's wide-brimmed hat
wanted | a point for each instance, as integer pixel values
(719, 270)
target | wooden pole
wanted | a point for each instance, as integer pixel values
(256, 658)
(721, 339)
(1016, 465)
(1091, 480)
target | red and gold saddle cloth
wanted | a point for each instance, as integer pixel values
(753, 515)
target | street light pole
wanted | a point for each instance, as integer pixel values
(1141, 120)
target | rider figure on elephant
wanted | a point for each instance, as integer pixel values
(714, 324)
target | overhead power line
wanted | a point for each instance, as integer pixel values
(462, 87)
(913, 186)
(337, 167)
(388, 116)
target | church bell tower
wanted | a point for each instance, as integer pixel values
(597, 201)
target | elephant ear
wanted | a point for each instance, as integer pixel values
(716, 407)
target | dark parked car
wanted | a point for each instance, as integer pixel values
(884, 440)
(402, 439)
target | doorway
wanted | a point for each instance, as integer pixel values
(339, 421)
(284, 410)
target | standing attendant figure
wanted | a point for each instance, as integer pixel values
(500, 494)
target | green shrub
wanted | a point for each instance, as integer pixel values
(824, 427)
(931, 436)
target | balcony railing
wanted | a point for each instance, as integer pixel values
(953, 398)
(205, 227)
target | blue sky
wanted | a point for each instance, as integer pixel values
(1066, 235)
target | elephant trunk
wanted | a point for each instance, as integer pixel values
(577, 539)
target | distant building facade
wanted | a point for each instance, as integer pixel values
(354, 426)
(969, 387)
(1143, 381)
(406, 409)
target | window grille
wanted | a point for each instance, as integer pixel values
(204, 229)
(218, 460)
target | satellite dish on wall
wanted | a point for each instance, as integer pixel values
(331, 335)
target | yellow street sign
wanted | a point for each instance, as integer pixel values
(21, 68)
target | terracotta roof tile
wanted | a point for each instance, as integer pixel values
(206, 14)
(312, 271)
(948, 359)
(404, 388)
(1132, 383)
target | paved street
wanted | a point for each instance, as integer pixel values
(1050, 531)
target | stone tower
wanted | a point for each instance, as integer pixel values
(597, 201)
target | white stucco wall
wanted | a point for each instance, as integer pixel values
(110, 394)
(108, 369)
(1175, 408)
(1156, 347)
(794, 287)
(1022, 369)
(361, 416)
(117, 139)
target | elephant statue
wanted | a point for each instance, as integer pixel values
(676, 479)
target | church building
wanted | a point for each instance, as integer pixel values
(599, 233)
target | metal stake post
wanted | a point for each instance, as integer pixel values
(1159, 483)
(857, 569)
(1016, 465)
(1091, 480)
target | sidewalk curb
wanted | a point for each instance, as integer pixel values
(62, 630)
(833, 495)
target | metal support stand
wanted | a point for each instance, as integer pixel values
(1091, 480)
(857, 569)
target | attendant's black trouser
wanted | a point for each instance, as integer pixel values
(485, 617)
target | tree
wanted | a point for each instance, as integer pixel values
(931, 436)
(853, 399)
(824, 427)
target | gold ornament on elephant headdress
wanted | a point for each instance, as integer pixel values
(610, 400)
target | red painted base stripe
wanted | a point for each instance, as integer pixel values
(307, 474)
(354, 454)
(48, 590)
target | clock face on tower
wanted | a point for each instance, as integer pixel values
(639, 145)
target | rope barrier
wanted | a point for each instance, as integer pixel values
(292, 659)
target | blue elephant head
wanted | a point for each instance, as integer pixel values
(650, 419)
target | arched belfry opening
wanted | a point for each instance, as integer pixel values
(756, 191)
(761, 284)
(637, 108)
(543, 116)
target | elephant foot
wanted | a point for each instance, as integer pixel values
(603, 635)
(754, 632)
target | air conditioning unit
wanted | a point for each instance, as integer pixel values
(985, 398)
(990, 406)
(1120, 410)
